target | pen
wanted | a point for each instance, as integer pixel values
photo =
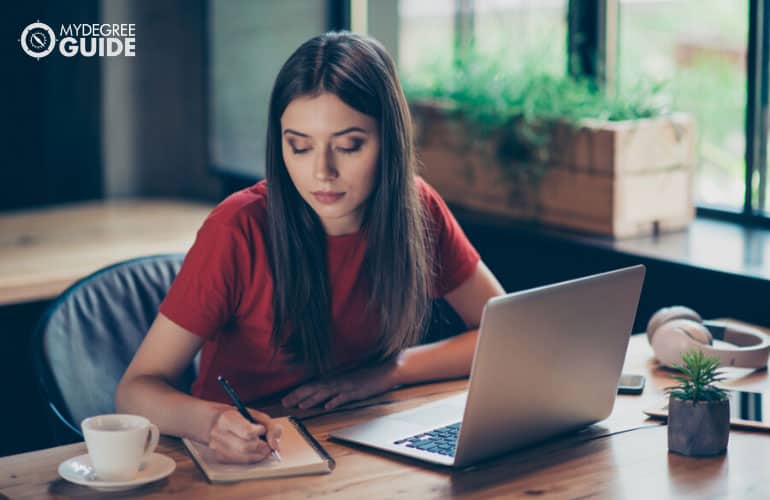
(242, 409)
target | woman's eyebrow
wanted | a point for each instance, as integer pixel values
(335, 134)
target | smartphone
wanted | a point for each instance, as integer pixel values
(745, 410)
(630, 384)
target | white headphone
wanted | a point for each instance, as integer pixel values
(672, 331)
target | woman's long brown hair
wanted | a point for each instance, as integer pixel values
(359, 71)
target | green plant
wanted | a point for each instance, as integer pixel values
(520, 101)
(696, 382)
(520, 111)
(491, 90)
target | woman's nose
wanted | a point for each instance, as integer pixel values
(324, 167)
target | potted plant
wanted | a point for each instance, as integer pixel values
(526, 143)
(698, 411)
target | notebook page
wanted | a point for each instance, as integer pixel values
(296, 453)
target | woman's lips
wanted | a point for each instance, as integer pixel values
(327, 197)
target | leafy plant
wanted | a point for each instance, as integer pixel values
(696, 382)
(491, 90)
(519, 102)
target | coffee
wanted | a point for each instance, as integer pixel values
(118, 444)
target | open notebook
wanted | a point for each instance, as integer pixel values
(300, 454)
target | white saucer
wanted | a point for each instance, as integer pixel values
(78, 470)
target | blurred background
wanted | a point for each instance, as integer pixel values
(184, 119)
(186, 115)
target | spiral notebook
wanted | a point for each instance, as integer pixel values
(301, 454)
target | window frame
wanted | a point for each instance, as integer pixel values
(592, 28)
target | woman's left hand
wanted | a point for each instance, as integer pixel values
(341, 389)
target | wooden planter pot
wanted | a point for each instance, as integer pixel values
(618, 179)
(700, 429)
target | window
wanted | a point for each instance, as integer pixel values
(522, 29)
(519, 28)
(713, 56)
(426, 34)
(704, 61)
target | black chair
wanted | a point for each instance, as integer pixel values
(87, 337)
(444, 322)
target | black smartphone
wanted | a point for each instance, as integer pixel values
(630, 384)
(746, 410)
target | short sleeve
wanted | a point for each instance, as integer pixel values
(456, 258)
(205, 294)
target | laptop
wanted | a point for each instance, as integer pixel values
(547, 362)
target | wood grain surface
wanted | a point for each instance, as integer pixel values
(633, 462)
(44, 251)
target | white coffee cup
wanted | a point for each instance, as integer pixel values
(118, 444)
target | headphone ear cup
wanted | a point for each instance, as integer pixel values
(667, 314)
(696, 331)
(676, 337)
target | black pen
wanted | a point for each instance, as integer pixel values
(242, 409)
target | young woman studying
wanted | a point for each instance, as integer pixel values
(314, 285)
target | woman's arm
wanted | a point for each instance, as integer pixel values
(147, 388)
(444, 359)
(451, 357)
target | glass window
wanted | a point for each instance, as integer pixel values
(699, 48)
(524, 30)
(426, 34)
(762, 203)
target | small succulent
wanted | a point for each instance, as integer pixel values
(696, 382)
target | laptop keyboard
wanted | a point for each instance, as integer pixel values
(442, 440)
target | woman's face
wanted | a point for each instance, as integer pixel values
(331, 152)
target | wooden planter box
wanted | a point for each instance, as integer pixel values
(618, 179)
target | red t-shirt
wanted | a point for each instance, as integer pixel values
(223, 293)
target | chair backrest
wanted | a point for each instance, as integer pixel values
(88, 336)
(444, 322)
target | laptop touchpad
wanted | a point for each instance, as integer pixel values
(443, 412)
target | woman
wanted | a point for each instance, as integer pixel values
(316, 284)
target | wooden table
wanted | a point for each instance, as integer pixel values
(44, 251)
(633, 464)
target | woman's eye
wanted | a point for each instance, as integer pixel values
(356, 146)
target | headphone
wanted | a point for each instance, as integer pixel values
(672, 331)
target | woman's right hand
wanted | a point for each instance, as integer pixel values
(236, 440)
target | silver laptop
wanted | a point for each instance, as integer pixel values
(547, 361)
